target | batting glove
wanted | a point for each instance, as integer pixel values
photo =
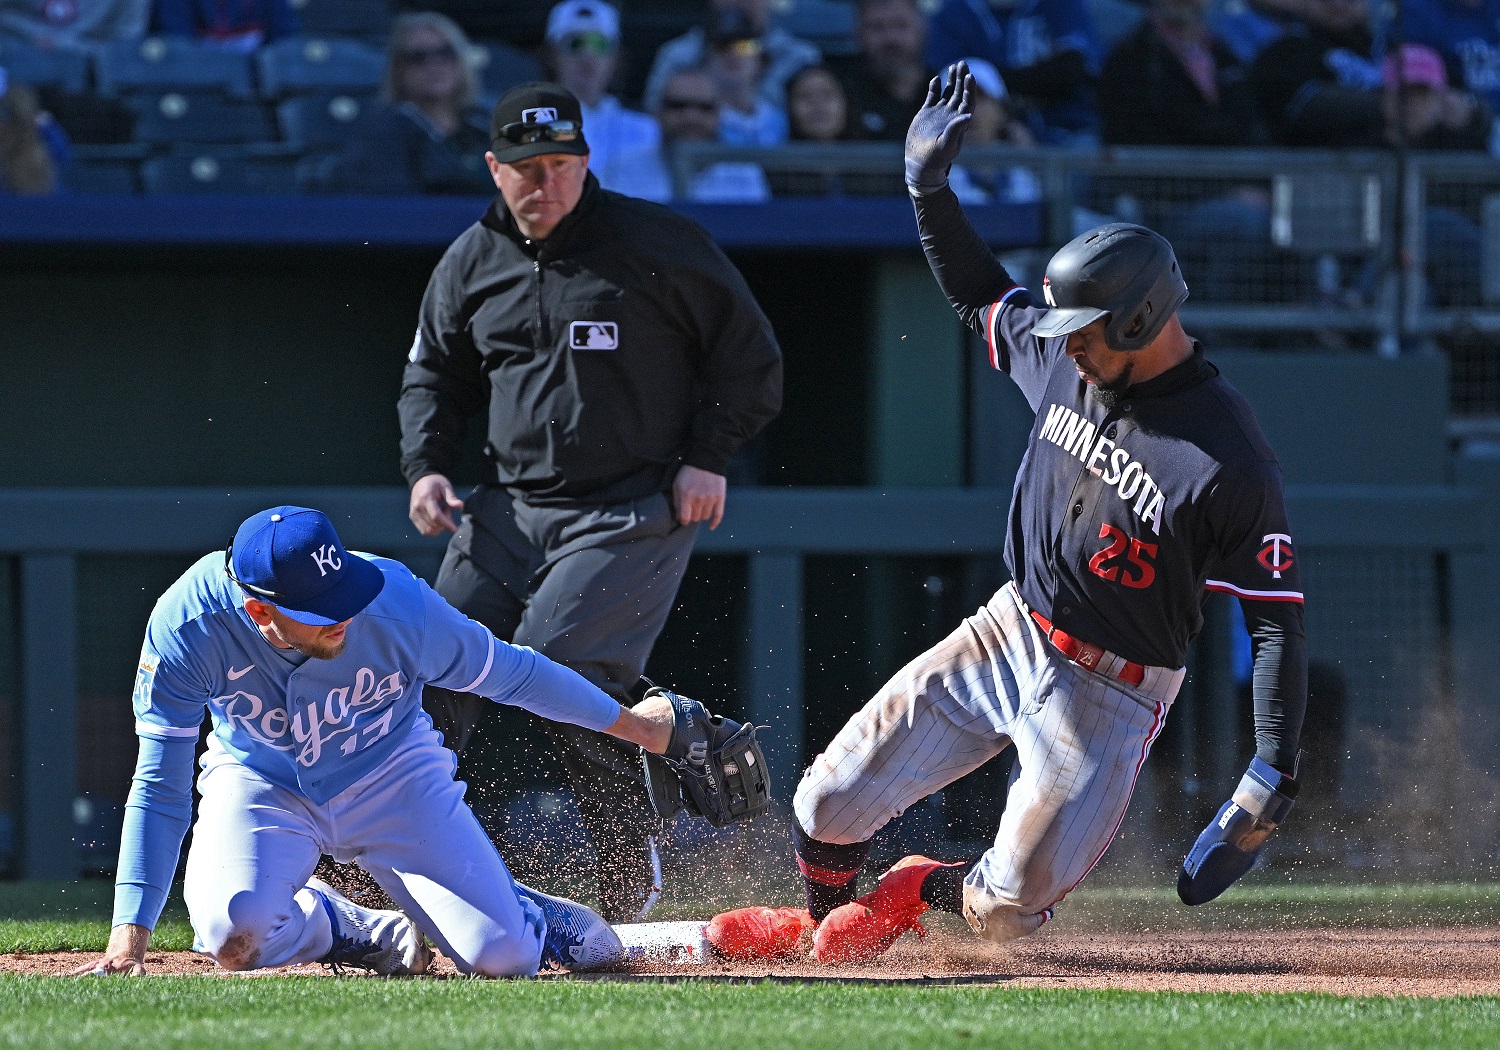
(1227, 848)
(937, 131)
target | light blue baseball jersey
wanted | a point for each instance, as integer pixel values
(314, 727)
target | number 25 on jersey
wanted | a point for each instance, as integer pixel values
(1134, 569)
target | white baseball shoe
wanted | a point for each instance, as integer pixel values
(577, 937)
(387, 942)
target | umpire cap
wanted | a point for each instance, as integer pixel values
(1121, 271)
(539, 117)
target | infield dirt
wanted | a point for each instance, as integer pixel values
(1419, 961)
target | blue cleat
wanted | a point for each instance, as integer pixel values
(577, 938)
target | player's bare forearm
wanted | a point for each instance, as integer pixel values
(126, 953)
(648, 723)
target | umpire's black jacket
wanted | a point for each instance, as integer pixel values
(620, 347)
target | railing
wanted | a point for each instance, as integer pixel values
(1333, 244)
(48, 530)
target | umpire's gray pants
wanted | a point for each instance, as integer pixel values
(589, 587)
(1081, 739)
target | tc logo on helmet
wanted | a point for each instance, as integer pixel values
(1047, 292)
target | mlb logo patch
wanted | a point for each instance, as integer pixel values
(594, 335)
(540, 115)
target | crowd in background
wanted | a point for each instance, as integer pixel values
(1069, 73)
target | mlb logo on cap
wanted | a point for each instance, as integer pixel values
(540, 115)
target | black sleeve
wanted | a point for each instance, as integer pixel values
(1280, 679)
(442, 385)
(966, 270)
(739, 368)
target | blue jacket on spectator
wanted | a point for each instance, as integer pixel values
(399, 151)
(1467, 35)
(237, 23)
(1045, 50)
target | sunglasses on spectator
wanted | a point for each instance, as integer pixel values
(593, 43)
(701, 105)
(552, 131)
(747, 48)
(421, 56)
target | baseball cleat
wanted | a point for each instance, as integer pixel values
(748, 934)
(863, 929)
(387, 942)
(577, 938)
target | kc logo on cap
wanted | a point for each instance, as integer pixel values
(291, 557)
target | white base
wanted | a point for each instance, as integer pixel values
(676, 943)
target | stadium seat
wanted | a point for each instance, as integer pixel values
(176, 116)
(66, 70)
(219, 172)
(105, 169)
(502, 67)
(164, 63)
(305, 64)
(312, 121)
(365, 19)
(827, 23)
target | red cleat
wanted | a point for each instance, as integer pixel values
(748, 934)
(864, 929)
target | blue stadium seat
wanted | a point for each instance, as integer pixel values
(176, 116)
(502, 67)
(313, 121)
(304, 64)
(68, 70)
(164, 63)
(105, 169)
(827, 23)
(365, 19)
(219, 172)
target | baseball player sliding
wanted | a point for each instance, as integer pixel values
(1146, 483)
(311, 660)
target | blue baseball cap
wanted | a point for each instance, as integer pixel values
(292, 558)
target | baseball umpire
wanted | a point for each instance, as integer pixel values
(623, 362)
(310, 660)
(1146, 483)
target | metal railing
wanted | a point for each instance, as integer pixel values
(48, 531)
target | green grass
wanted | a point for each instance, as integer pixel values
(555, 1015)
(43, 917)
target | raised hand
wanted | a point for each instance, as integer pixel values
(937, 131)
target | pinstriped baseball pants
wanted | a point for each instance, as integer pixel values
(1081, 739)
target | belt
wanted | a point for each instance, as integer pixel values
(1091, 656)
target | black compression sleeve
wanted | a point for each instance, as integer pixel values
(966, 270)
(1280, 679)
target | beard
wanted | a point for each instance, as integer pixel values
(322, 650)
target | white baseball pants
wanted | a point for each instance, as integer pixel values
(1081, 740)
(255, 846)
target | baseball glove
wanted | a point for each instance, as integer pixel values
(713, 767)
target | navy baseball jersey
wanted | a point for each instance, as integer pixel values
(1124, 515)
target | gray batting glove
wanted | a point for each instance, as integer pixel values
(937, 131)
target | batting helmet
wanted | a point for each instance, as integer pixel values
(1121, 271)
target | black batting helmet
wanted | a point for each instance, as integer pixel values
(1121, 271)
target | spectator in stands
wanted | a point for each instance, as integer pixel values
(1174, 83)
(1045, 50)
(1248, 26)
(816, 107)
(1467, 34)
(429, 137)
(1322, 87)
(33, 149)
(736, 62)
(994, 123)
(583, 54)
(73, 24)
(689, 112)
(783, 54)
(242, 25)
(887, 81)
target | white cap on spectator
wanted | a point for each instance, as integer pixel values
(572, 17)
(986, 76)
